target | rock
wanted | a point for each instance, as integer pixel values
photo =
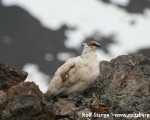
(20, 100)
(124, 83)
(3, 97)
(83, 114)
(10, 77)
(24, 102)
(64, 108)
(122, 87)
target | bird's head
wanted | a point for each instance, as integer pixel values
(92, 44)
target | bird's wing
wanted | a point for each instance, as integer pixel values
(68, 72)
(66, 75)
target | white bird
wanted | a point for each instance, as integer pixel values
(76, 74)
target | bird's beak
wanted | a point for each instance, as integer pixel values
(96, 44)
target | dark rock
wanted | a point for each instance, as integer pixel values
(21, 100)
(24, 103)
(64, 109)
(3, 97)
(81, 113)
(125, 83)
(10, 77)
(24, 40)
(134, 6)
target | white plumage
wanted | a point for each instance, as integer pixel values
(76, 74)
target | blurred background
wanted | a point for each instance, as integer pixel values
(37, 36)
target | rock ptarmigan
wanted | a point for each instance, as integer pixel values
(76, 74)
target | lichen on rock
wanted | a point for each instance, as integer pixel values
(125, 83)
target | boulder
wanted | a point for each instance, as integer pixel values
(23, 102)
(124, 84)
(10, 77)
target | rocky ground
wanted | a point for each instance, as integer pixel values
(123, 87)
